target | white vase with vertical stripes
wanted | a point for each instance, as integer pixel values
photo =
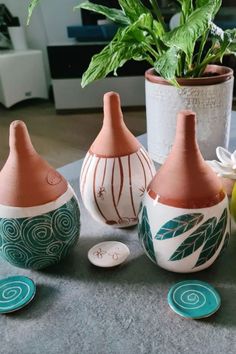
(116, 171)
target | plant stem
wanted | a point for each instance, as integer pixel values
(202, 45)
(158, 45)
(157, 11)
(151, 50)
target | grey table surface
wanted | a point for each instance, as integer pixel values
(81, 309)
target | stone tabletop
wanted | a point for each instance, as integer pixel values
(82, 309)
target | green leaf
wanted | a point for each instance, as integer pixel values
(185, 36)
(114, 15)
(133, 9)
(145, 235)
(215, 3)
(186, 8)
(31, 8)
(178, 226)
(213, 242)
(223, 40)
(128, 43)
(195, 240)
(167, 65)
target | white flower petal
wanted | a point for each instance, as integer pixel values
(221, 169)
(228, 175)
(224, 156)
(233, 157)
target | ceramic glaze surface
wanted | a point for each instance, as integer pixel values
(15, 293)
(40, 236)
(112, 188)
(194, 299)
(212, 103)
(108, 254)
(183, 240)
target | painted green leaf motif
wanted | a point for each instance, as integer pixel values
(195, 240)
(225, 245)
(145, 235)
(213, 242)
(178, 226)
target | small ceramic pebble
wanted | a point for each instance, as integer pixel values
(108, 254)
(194, 299)
(15, 293)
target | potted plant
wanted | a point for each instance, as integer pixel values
(182, 75)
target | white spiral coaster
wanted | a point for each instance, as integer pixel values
(194, 299)
(15, 293)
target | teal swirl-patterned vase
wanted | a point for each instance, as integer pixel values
(39, 211)
(184, 221)
(40, 236)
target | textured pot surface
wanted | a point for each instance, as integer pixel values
(116, 170)
(184, 221)
(210, 98)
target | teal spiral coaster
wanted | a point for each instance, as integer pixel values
(193, 299)
(15, 293)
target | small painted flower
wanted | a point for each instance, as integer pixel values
(226, 167)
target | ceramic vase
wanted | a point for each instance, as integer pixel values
(184, 222)
(116, 170)
(39, 212)
(210, 97)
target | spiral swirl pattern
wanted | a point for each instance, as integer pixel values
(37, 235)
(10, 229)
(15, 292)
(193, 299)
(40, 241)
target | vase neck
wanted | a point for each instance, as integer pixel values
(185, 139)
(19, 141)
(113, 117)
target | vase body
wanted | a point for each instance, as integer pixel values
(116, 171)
(39, 211)
(210, 98)
(184, 222)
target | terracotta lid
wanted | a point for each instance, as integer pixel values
(185, 180)
(218, 74)
(114, 139)
(26, 179)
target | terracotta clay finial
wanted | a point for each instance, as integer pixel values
(26, 179)
(114, 139)
(185, 180)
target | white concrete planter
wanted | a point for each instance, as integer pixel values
(209, 97)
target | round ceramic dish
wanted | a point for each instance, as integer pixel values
(15, 293)
(194, 299)
(108, 254)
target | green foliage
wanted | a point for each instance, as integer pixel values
(143, 35)
(31, 7)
